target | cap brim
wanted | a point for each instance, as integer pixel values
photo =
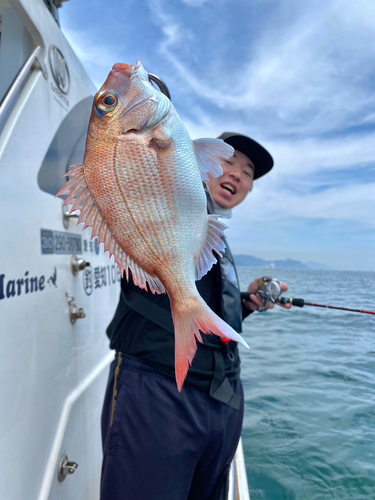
(260, 157)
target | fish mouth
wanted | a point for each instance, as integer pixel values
(229, 187)
(127, 70)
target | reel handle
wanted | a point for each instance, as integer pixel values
(294, 302)
(280, 300)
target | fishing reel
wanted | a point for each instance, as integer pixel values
(270, 290)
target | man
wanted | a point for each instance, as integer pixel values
(160, 444)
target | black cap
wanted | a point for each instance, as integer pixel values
(262, 160)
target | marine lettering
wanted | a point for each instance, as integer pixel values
(11, 288)
(19, 286)
(34, 284)
(15, 287)
(2, 276)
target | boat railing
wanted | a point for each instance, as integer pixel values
(238, 485)
(33, 61)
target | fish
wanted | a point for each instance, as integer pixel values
(140, 190)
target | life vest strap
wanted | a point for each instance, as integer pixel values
(220, 388)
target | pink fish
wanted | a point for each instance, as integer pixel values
(140, 189)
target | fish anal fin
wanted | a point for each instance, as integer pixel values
(214, 242)
(82, 200)
(140, 277)
(210, 154)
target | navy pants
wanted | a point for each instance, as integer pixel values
(162, 445)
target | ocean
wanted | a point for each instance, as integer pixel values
(309, 381)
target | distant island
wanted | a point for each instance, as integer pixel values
(250, 261)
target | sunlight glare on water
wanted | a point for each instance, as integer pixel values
(309, 380)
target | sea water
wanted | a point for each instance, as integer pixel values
(309, 380)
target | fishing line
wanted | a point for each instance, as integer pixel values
(302, 302)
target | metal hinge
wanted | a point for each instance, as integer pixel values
(66, 468)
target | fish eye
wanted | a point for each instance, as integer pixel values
(106, 103)
(109, 100)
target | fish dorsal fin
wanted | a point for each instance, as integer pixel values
(210, 154)
(214, 241)
(80, 196)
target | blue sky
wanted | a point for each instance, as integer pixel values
(299, 77)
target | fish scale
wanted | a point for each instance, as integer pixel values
(151, 198)
(140, 189)
(164, 213)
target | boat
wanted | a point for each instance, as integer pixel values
(58, 289)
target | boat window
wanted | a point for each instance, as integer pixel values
(53, 6)
(67, 148)
(16, 46)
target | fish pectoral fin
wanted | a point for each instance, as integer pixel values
(214, 241)
(163, 143)
(210, 154)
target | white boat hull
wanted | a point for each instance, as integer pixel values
(52, 372)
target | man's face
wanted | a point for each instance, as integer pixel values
(232, 187)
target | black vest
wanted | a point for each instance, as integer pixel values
(231, 305)
(143, 327)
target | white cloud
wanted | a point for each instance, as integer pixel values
(316, 73)
(311, 69)
(195, 3)
(354, 203)
(316, 155)
(174, 30)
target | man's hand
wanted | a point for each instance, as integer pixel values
(256, 300)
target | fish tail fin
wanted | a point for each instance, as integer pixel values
(189, 322)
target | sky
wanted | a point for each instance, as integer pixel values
(298, 77)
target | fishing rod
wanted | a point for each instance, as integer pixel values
(270, 290)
